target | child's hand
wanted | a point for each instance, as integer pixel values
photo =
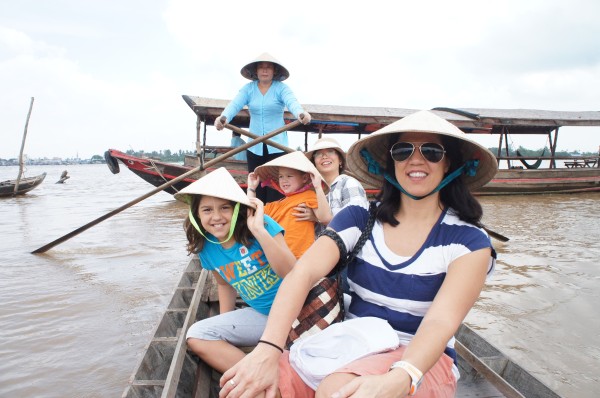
(253, 181)
(256, 217)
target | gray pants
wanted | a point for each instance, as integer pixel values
(242, 327)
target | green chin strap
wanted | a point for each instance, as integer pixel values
(236, 211)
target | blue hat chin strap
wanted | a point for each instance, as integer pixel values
(469, 169)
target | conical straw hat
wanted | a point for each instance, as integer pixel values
(294, 160)
(425, 122)
(249, 70)
(327, 143)
(218, 183)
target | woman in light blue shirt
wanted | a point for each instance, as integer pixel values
(266, 97)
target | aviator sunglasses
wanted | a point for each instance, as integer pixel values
(430, 151)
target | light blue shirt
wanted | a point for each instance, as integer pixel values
(266, 111)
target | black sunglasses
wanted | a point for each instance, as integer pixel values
(432, 152)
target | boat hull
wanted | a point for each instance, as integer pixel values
(158, 173)
(506, 182)
(7, 188)
(542, 181)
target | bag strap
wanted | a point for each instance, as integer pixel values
(346, 257)
(365, 234)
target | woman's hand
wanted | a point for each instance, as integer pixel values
(305, 117)
(220, 122)
(380, 386)
(304, 213)
(257, 372)
(316, 180)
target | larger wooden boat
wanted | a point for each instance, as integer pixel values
(579, 174)
(167, 369)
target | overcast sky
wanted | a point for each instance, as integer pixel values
(110, 74)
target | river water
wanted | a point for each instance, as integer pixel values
(75, 320)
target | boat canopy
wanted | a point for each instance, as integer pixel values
(327, 119)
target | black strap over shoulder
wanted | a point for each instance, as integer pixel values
(346, 257)
(338, 241)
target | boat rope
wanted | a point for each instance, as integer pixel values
(161, 174)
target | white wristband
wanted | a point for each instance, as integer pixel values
(416, 376)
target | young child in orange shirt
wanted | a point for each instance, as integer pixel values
(297, 178)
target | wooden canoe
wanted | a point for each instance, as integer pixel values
(167, 369)
(7, 188)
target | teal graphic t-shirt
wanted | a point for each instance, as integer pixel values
(245, 268)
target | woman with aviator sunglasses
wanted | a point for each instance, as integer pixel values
(421, 270)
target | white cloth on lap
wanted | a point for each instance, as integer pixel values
(317, 356)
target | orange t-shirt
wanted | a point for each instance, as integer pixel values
(299, 235)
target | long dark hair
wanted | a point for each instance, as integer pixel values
(241, 233)
(455, 195)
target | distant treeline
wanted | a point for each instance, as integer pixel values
(166, 155)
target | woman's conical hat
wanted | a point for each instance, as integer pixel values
(327, 143)
(425, 122)
(249, 70)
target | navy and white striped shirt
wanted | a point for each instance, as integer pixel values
(401, 289)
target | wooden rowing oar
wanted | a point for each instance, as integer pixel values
(254, 136)
(166, 185)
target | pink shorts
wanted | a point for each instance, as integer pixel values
(439, 382)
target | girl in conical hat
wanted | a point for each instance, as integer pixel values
(244, 249)
(266, 96)
(421, 269)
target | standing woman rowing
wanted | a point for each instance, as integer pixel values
(421, 270)
(266, 97)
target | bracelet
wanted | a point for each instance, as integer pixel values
(416, 376)
(252, 190)
(271, 344)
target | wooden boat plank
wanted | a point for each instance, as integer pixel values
(507, 376)
(172, 381)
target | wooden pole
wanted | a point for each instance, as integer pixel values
(165, 185)
(254, 136)
(21, 163)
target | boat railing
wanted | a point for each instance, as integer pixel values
(568, 161)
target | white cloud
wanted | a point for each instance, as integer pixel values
(112, 76)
